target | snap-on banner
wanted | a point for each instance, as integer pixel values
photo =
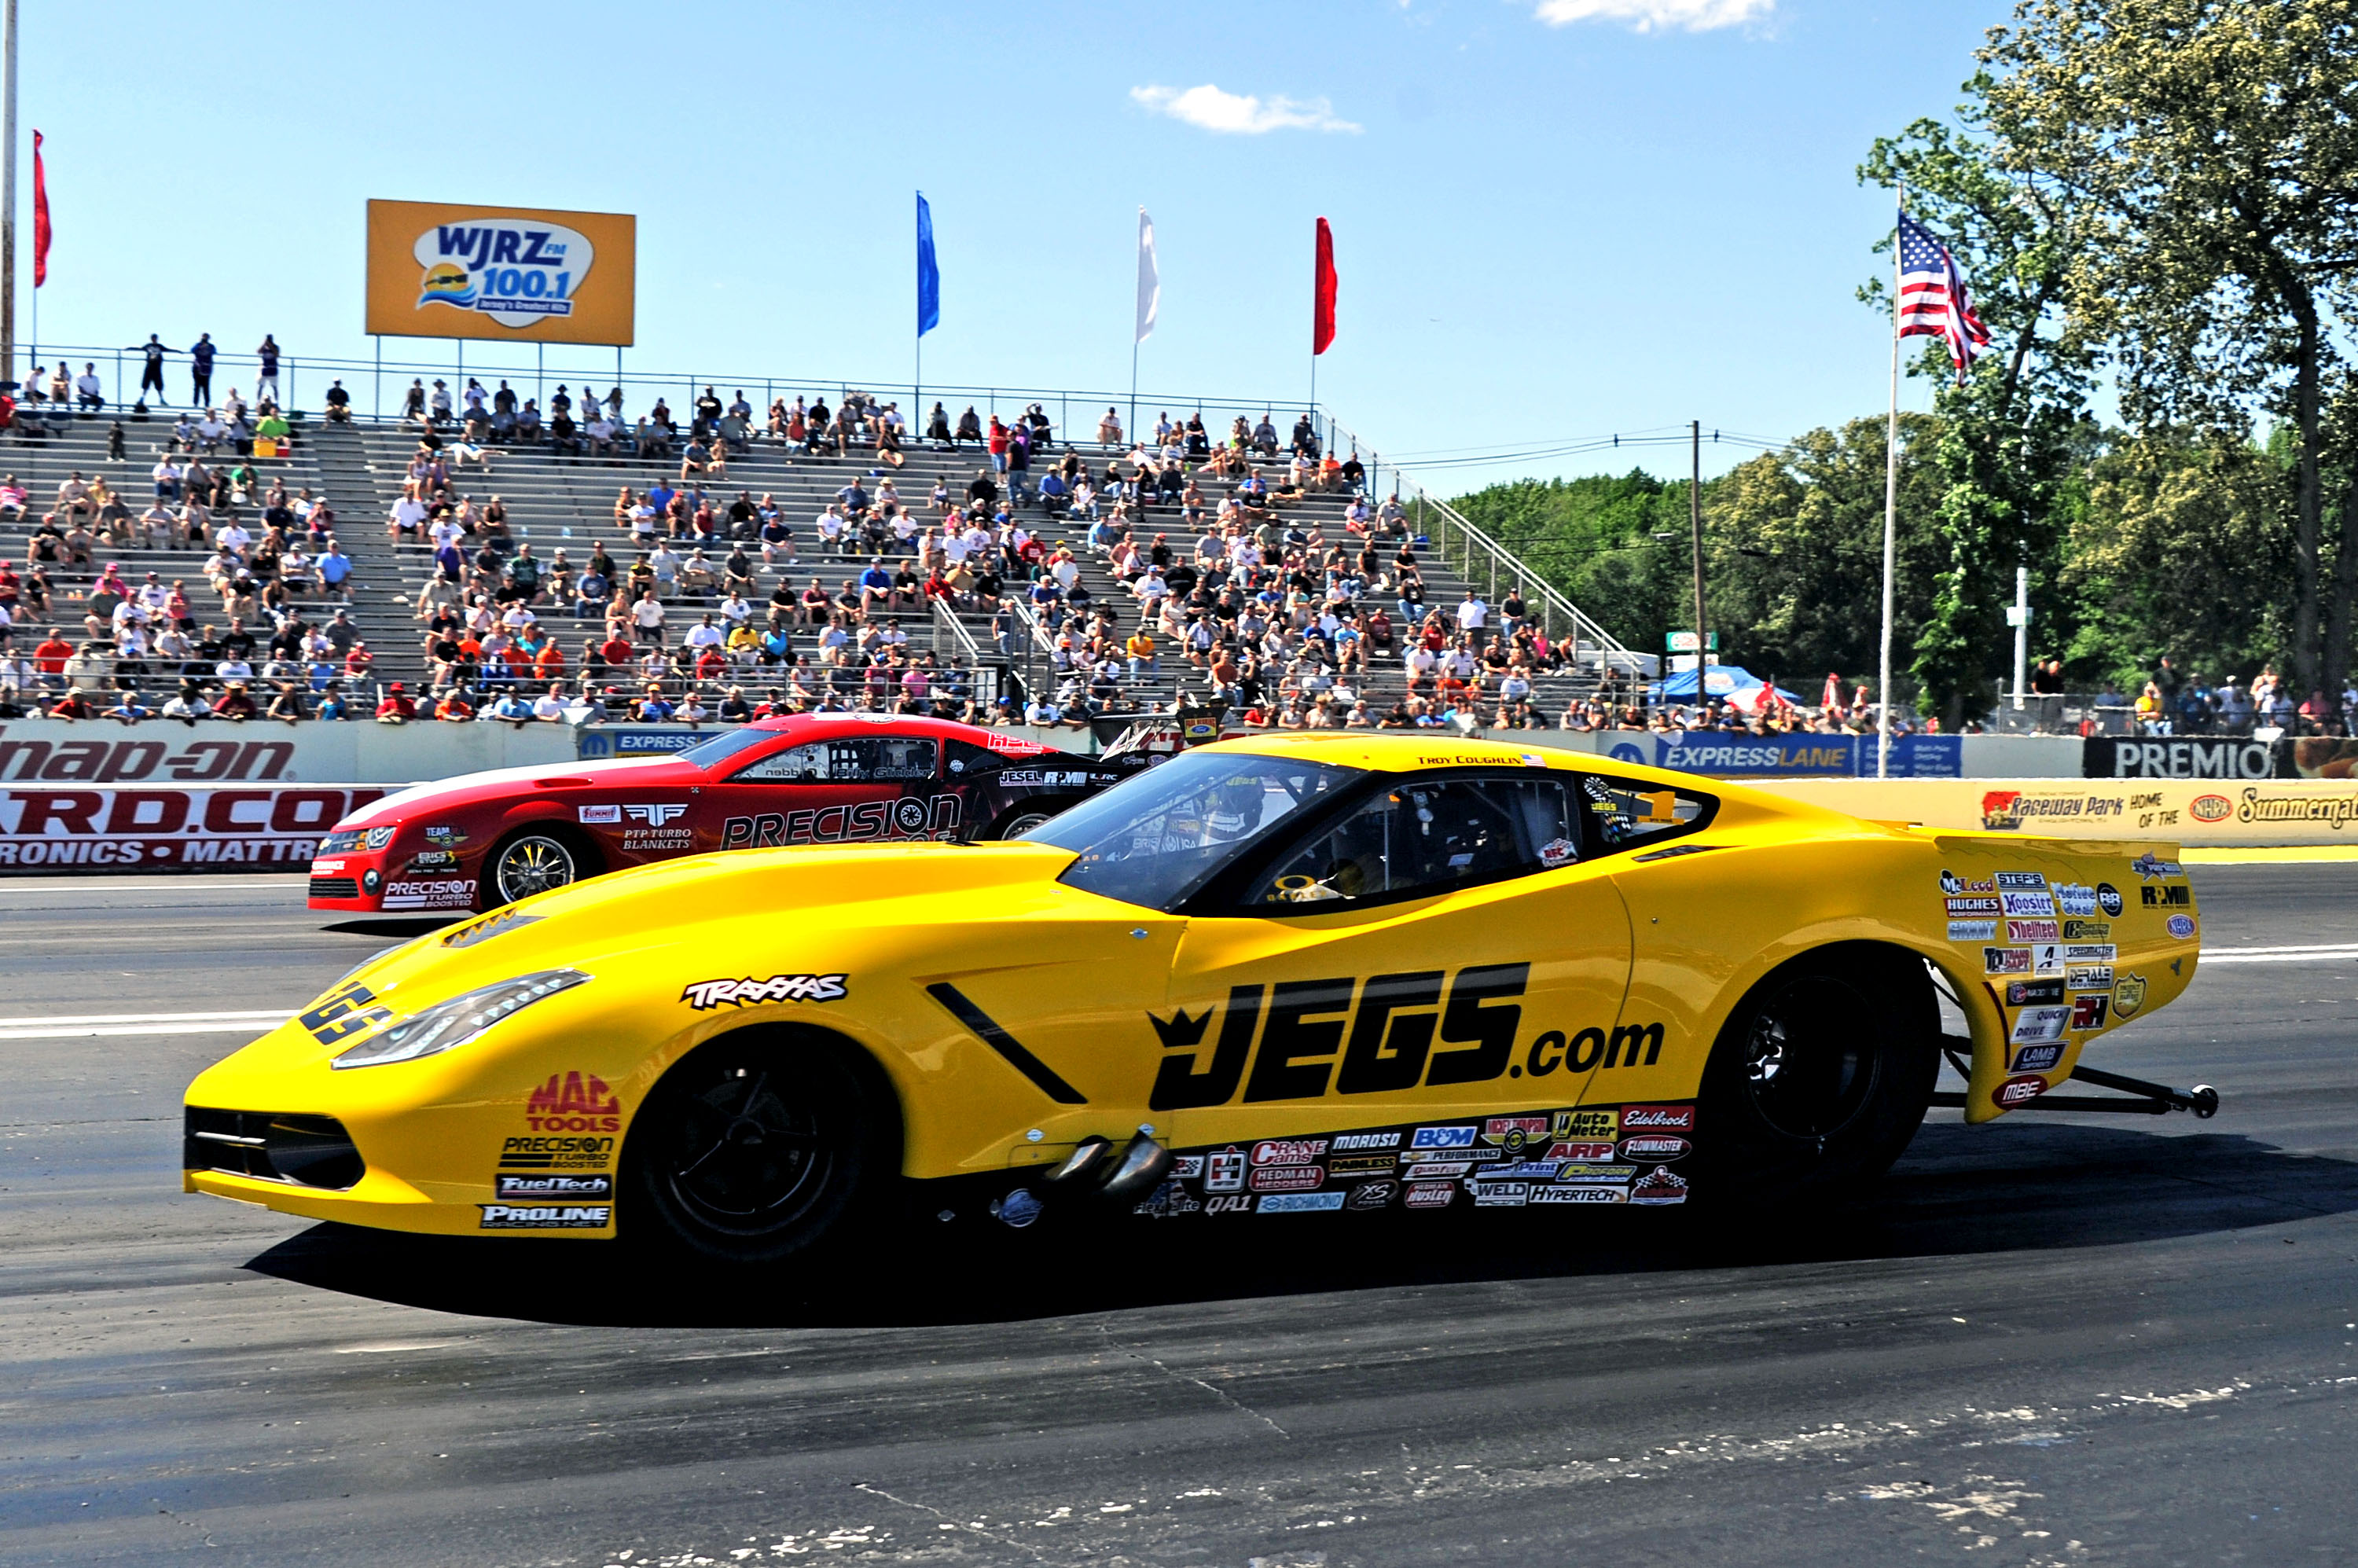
(2208, 814)
(216, 827)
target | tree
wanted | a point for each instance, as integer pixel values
(2215, 143)
(2017, 233)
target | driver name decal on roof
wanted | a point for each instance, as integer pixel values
(704, 995)
(1308, 1038)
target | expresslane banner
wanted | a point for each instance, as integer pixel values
(195, 828)
(2195, 813)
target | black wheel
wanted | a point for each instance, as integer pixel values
(1018, 821)
(1821, 1076)
(756, 1147)
(534, 860)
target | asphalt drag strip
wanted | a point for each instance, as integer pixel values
(2055, 1340)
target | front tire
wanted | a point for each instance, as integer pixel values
(1821, 1076)
(1018, 821)
(534, 861)
(758, 1147)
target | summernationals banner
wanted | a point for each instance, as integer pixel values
(197, 827)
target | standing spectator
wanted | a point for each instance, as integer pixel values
(151, 373)
(269, 355)
(200, 370)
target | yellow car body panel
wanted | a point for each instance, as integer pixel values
(1213, 1029)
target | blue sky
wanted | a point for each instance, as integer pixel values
(1552, 218)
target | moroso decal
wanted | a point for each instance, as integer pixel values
(1308, 1038)
(909, 817)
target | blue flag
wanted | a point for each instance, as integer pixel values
(929, 273)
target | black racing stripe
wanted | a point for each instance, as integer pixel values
(1043, 1077)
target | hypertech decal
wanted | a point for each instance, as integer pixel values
(703, 995)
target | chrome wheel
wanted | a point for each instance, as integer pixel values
(533, 864)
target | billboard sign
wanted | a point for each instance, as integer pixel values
(435, 270)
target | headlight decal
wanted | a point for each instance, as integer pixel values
(447, 1025)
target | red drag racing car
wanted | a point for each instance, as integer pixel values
(483, 839)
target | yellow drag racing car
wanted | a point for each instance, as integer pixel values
(1294, 974)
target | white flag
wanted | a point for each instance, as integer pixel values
(1149, 282)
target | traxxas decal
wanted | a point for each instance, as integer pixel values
(1386, 1040)
(911, 816)
(706, 994)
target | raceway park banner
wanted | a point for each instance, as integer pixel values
(435, 270)
(2206, 814)
(192, 828)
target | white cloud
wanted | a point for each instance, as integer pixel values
(1239, 113)
(1646, 15)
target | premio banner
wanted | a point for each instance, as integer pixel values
(435, 270)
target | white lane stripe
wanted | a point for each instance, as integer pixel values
(82, 1026)
(2291, 955)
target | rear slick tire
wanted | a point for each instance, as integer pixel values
(756, 1147)
(1820, 1078)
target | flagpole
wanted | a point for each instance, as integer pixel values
(8, 192)
(1890, 514)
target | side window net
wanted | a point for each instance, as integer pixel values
(1627, 813)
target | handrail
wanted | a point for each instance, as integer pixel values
(1588, 635)
(642, 387)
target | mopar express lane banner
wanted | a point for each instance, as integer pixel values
(1724, 754)
(441, 271)
(197, 827)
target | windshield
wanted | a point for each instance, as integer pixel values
(725, 745)
(1155, 838)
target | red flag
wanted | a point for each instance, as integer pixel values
(1322, 313)
(40, 217)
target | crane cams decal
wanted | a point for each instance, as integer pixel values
(704, 995)
(909, 817)
(1384, 1030)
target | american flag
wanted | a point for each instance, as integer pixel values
(1932, 295)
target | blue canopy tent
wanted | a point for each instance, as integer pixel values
(1724, 682)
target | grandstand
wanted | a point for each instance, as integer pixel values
(567, 503)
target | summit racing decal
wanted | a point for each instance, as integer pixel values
(573, 1102)
(909, 817)
(704, 995)
(1309, 1039)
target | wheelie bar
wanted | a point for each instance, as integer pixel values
(2146, 1099)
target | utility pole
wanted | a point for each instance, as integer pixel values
(8, 191)
(2018, 616)
(1694, 510)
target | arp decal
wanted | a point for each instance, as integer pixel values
(704, 995)
(1308, 1038)
(911, 817)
